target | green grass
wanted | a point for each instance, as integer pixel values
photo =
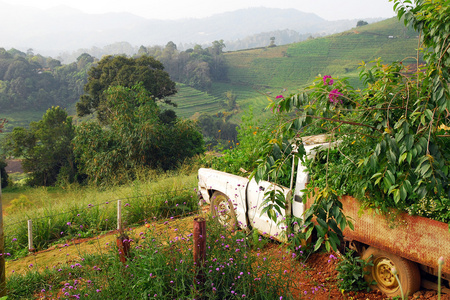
(161, 266)
(58, 213)
(161, 258)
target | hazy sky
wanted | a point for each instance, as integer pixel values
(178, 9)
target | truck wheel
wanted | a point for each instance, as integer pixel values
(222, 209)
(380, 273)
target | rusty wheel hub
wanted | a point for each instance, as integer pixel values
(382, 273)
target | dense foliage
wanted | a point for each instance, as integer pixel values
(196, 67)
(391, 146)
(29, 81)
(138, 133)
(217, 132)
(352, 269)
(46, 147)
(126, 72)
(389, 140)
(136, 138)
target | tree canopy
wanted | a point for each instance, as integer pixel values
(136, 137)
(127, 72)
(46, 147)
(33, 81)
(196, 67)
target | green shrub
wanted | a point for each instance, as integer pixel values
(352, 270)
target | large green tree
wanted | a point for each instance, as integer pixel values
(136, 137)
(127, 72)
(46, 147)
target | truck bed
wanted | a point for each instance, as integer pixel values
(416, 238)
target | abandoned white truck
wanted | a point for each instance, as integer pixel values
(413, 246)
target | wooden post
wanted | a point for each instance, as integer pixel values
(30, 236)
(199, 249)
(2, 248)
(119, 215)
(123, 243)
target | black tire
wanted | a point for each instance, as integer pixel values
(223, 211)
(383, 262)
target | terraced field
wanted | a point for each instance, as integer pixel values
(190, 101)
(294, 66)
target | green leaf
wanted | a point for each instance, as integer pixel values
(396, 196)
(327, 245)
(333, 237)
(403, 192)
(322, 223)
(309, 232)
(350, 224)
(402, 157)
(318, 243)
(390, 176)
(321, 231)
(376, 175)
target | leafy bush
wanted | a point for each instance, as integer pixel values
(136, 138)
(352, 270)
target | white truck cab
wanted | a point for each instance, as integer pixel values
(224, 191)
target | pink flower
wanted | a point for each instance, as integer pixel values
(334, 95)
(280, 96)
(327, 80)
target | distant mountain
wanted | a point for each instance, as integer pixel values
(50, 32)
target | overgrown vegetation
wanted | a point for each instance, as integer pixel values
(390, 137)
(391, 145)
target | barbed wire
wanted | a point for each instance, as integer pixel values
(158, 219)
(98, 204)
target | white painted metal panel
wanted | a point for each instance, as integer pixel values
(233, 186)
(255, 199)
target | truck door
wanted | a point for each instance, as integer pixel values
(262, 222)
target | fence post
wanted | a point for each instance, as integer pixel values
(30, 236)
(199, 249)
(119, 215)
(123, 243)
(2, 248)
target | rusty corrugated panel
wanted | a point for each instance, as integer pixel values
(416, 238)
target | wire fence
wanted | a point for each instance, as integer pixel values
(38, 233)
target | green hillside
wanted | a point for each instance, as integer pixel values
(255, 74)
